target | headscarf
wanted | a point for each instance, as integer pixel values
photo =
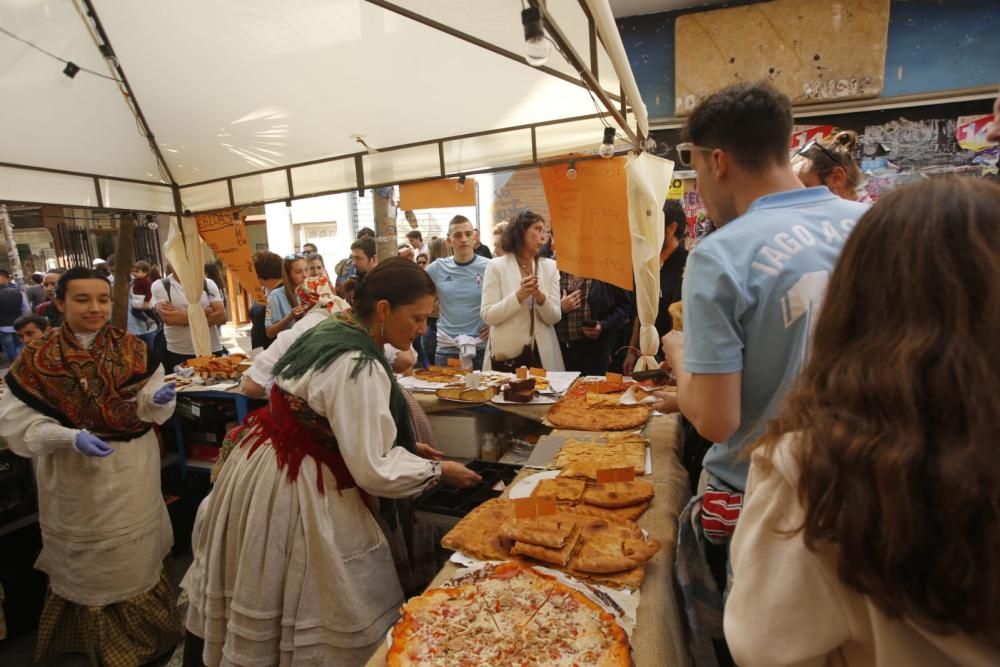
(91, 388)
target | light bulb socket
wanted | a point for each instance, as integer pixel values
(236, 216)
(609, 136)
(572, 165)
(461, 180)
(531, 19)
(71, 69)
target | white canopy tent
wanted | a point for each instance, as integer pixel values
(191, 105)
(253, 101)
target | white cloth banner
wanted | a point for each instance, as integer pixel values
(648, 183)
(186, 256)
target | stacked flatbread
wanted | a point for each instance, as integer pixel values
(604, 550)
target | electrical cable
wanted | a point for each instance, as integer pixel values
(54, 56)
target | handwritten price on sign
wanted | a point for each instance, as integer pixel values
(532, 508)
(609, 475)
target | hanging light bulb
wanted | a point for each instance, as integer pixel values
(571, 170)
(460, 184)
(607, 148)
(536, 45)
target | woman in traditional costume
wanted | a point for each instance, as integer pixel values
(80, 404)
(290, 564)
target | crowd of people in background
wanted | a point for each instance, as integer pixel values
(846, 488)
(752, 283)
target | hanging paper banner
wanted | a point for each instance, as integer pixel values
(442, 193)
(590, 220)
(228, 240)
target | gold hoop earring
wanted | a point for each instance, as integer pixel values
(382, 329)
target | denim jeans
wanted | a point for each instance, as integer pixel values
(429, 340)
(11, 345)
(477, 362)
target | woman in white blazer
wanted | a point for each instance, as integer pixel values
(516, 286)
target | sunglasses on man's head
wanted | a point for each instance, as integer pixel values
(293, 256)
(686, 149)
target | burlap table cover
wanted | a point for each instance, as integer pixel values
(659, 635)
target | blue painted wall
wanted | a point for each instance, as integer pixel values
(940, 44)
(649, 43)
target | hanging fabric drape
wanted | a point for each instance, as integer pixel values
(648, 183)
(188, 261)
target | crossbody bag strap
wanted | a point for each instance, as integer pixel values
(531, 335)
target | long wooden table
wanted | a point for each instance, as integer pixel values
(659, 634)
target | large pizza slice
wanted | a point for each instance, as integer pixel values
(515, 616)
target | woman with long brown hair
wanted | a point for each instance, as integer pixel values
(870, 533)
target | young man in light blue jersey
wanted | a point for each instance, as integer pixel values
(753, 287)
(459, 281)
(751, 294)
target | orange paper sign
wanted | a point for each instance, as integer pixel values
(608, 475)
(614, 378)
(228, 240)
(532, 508)
(441, 193)
(538, 372)
(454, 363)
(590, 220)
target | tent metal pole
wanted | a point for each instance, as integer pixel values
(67, 172)
(179, 211)
(556, 33)
(97, 190)
(387, 149)
(471, 39)
(141, 117)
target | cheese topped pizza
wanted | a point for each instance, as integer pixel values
(514, 616)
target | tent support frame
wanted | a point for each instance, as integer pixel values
(589, 77)
(147, 131)
(471, 39)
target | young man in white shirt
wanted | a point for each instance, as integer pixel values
(170, 301)
(416, 240)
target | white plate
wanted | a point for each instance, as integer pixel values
(526, 486)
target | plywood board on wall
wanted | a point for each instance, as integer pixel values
(812, 50)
